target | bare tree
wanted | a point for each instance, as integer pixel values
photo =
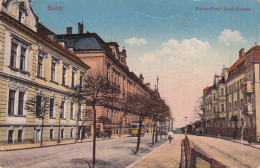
(39, 105)
(197, 110)
(140, 105)
(98, 91)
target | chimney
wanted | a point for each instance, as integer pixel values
(69, 30)
(241, 52)
(80, 28)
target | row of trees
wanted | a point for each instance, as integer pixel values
(98, 91)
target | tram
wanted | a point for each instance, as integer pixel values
(134, 129)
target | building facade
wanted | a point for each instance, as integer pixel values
(231, 104)
(33, 65)
(107, 59)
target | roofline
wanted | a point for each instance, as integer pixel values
(45, 39)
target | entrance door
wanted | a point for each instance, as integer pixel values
(10, 136)
(37, 136)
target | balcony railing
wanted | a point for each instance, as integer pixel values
(247, 87)
(222, 114)
(248, 109)
(214, 101)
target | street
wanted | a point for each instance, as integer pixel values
(110, 153)
(231, 154)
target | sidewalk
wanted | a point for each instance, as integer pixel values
(10, 147)
(245, 142)
(167, 155)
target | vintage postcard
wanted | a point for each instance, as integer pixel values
(129, 83)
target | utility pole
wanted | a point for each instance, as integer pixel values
(157, 81)
(185, 125)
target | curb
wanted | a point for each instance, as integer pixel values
(5, 150)
(227, 139)
(240, 143)
(145, 156)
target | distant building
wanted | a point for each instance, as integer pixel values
(231, 105)
(33, 65)
(106, 58)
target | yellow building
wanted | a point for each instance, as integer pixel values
(32, 65)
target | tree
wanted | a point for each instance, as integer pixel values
(78, 97)
(197, 110)
(138, 104)
(39, 105)
(105, 120)
(98, 91)
(159, 111)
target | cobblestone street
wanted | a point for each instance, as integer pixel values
(231, 154)
(110, 153)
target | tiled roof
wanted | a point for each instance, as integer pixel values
(205, 90)
(87, 41)
(238, 62)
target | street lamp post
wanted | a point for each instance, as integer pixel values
(120, 125)
(185, 125)
(58, 141)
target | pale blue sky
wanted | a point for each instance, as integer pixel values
(182, 45)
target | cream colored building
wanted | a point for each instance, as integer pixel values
(33, 65)
(235, 98)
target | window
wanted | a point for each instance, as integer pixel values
(11, 102)
(22, 59)
(51, 134)
(222, 107)
(51, 107)
(13, 55)
(38, 105)
(62, 133)
(53, 65)
(71, 110)
(10, 136)
(39, 67)
(71, 132)
(62, 109)
(235, 105)
(20, 133)
(64, 75)
(81, 80)
(214, 96)
(79, 111)
(72, 78)
(21, 103)
(222, 91)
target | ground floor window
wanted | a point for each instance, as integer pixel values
(10, 136)
(51, 134)
(71, 132)
(62, 133)
(20, 134)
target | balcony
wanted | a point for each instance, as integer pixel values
(222, 114)
(222, 98)
(214, 101)
(215, 115)
(248, 87)
(248, 110)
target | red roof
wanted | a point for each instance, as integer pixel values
(205, 90)
(238, 62)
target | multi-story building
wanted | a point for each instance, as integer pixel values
(107, 59)
(32, 65)
(231, 105)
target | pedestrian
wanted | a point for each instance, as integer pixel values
(170, 136)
